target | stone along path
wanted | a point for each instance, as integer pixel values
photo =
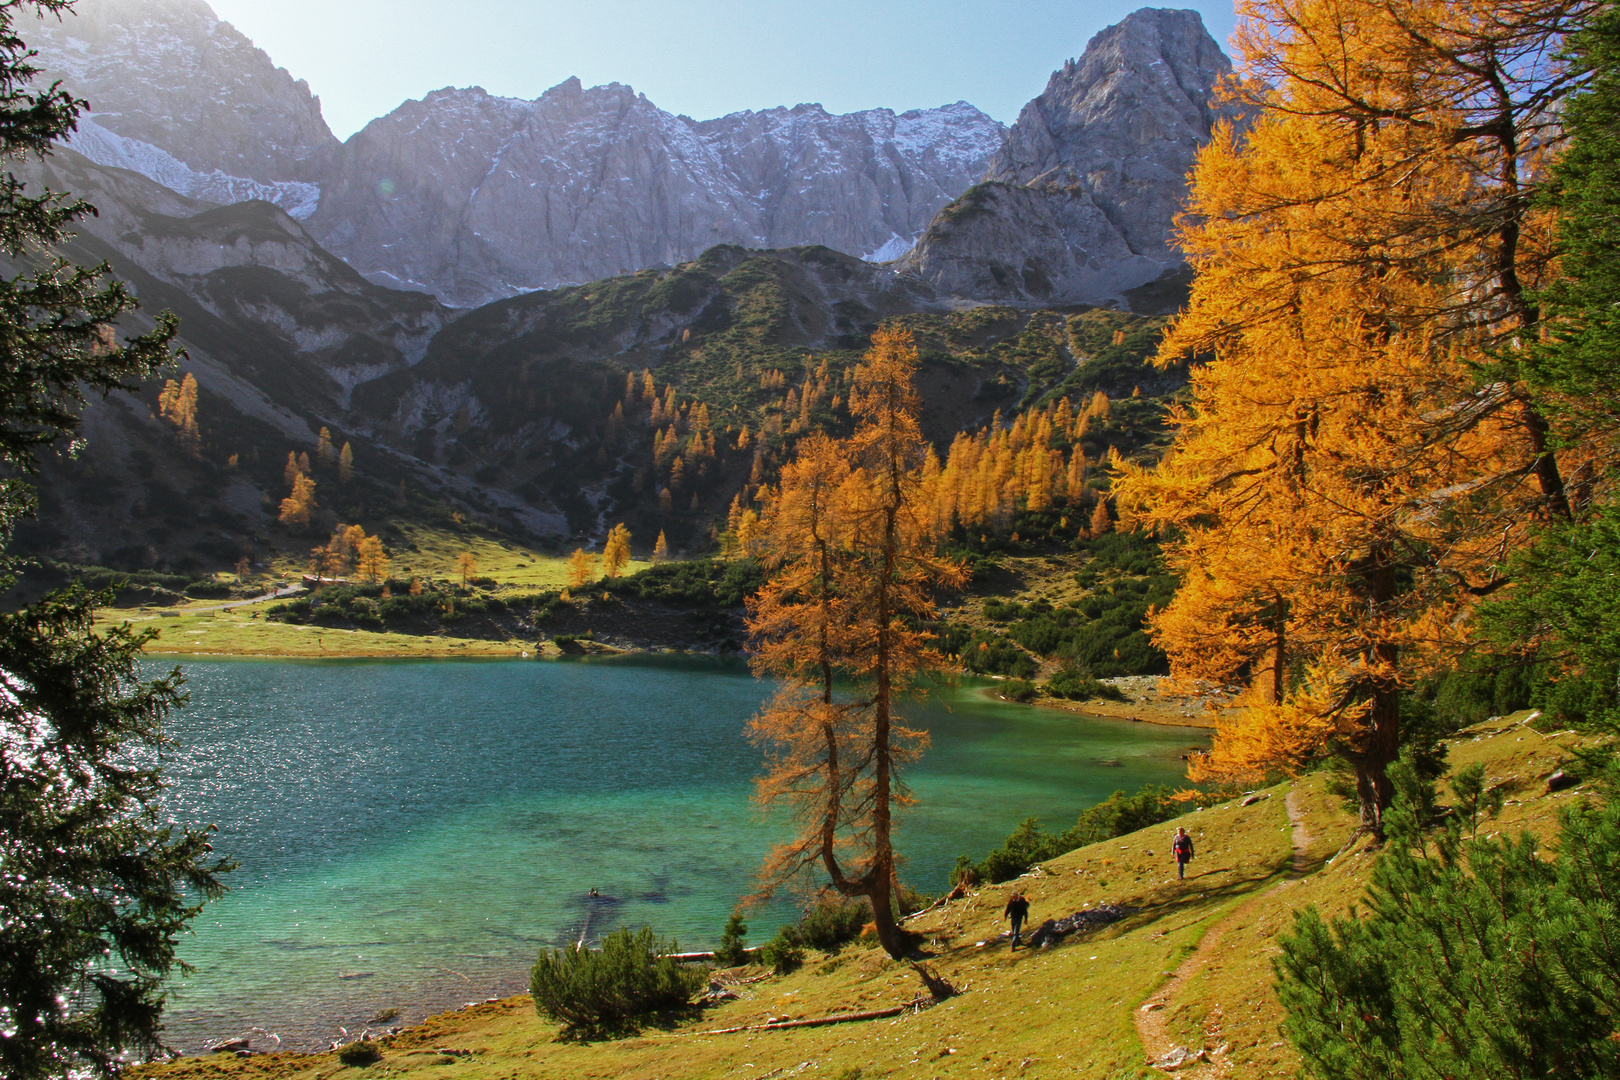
(1152, 1019)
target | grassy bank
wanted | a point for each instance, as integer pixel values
(243, 631)
(210, 627)
(1198, 950)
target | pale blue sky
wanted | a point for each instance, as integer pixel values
(699, 57)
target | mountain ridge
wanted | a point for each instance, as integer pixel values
(473, 197)
(476, 197)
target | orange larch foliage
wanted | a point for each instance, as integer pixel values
(371, 562)
(579, 568)
(615, 551)
(299, 503)
(850, 536)
(177, 403)
(1342, 487)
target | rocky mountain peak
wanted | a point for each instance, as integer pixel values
(1080, 200)
(170, 74)
(1124, 122)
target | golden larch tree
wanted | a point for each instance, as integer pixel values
(325, 561)
(1342, 486)
(850, 534)
(466, 566)
(299, 504)
(177, 403)
(1100, 521)
(660, 551)
(616, 551)
(348, 542)
(814, 742)
(579, 568)
(371, 561)
(346, 464)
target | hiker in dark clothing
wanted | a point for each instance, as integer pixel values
(1018, 910)
(1181, 847)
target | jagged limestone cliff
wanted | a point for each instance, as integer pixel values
(1079, 203)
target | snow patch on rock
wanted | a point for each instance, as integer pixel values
(892, 249)
(104, 147)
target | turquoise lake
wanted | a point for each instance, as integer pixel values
(411, 833)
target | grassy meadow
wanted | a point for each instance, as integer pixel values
(233, 628)
(242, 631)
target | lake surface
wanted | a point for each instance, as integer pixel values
(411, 833)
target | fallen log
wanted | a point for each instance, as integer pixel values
(695, 957)
(957, 893)
(822, 1021)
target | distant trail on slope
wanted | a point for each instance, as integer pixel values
(1152, 1018)
(275, 594)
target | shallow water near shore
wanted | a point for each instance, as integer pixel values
(411, 833)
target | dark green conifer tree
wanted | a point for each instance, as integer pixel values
(1481, 961)
(733, 942)
(1562, 602)
(95, 886)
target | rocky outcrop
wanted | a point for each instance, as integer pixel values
(171, 75)
(1078, 205)
(475, 197)
(254, 267)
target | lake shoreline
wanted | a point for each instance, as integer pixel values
(607, 626)
(1150, 699)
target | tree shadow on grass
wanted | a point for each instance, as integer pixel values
(1145, 912)
(666, 1020)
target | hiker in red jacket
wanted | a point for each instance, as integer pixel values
(1181, 847)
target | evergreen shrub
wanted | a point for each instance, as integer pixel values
(1080, 686)
(781, 955)
(1002, 610)
(1019, 690)
(359, 1054)
(611, 989)
(1028, 844)
(695, 583)
(828, 925)
(1471, 961)
(732, 950)
(992, 654)
(832, 923)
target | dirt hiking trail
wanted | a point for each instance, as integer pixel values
(1152, 1018)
